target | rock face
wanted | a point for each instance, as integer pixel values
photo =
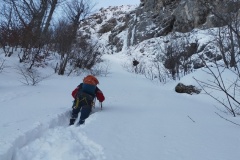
(112, 22)
(189, 89)
(155, 18)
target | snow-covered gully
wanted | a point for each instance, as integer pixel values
(140, 120)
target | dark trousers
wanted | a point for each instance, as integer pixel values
(85, 112)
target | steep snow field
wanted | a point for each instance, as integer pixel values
(140, 120)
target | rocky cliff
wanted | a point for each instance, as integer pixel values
(171, 33)
(155, 18)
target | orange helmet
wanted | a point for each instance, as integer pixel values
(90, 79)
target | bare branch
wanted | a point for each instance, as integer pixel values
(227, 119)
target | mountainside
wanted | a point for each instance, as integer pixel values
(108, 26)
(177, 30)
(185, 15)
(156, 18)
(139, 119)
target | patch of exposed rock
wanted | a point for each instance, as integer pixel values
(189, 89)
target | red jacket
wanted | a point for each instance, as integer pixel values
(98, 93)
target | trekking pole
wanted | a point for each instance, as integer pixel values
(101, 105)
(94, 103)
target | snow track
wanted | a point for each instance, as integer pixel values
(53, 139)
(33, 134)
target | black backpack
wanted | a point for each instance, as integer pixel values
(85, 96)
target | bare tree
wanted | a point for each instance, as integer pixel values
(2, 65)
(220, 39)
(53, 6)
(161, 72)
(178, 55)
(30, 76)
(171, 58)
(86, 56)
(63, 42)
(30, 21)
(231, 89)
(226, 14)
(9, 30)
(80, 52)
(228, 45)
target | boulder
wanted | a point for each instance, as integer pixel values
(189, 89)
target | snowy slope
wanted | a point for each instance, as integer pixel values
(140, 120)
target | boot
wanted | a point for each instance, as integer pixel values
(81, 122)
(72, 120)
